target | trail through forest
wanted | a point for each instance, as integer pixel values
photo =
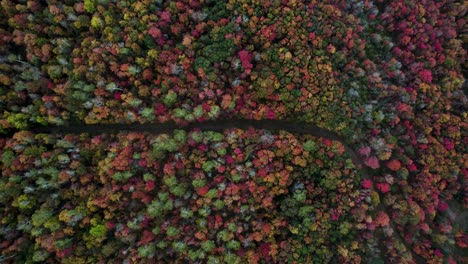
(221, 125)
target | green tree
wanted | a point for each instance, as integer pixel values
(90, 6)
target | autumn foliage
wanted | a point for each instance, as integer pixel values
(386, 76)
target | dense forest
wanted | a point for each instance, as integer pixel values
(236, 131)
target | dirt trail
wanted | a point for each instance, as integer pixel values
(217, 125)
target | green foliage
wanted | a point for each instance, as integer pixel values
(197, 136)
(212, 193)
(63, 143)
(40, 217)
(98, 231)
(172, 231)
(208, 245)
(236, 177)
(305, 211)
(162, 244)
(232, 227)
(213, 260)
(63, 159)
(219, 204)
(90, 6)
(204, 211)
(134, 224)
(132, 70)
(156, 230)
(195, 254)
(216, 10)
(170, 181)
(170, 98)
(63, 243)
(231, 258)
(300, 195)
(112, 87)
(8, 157)
(329, 183)
(164, 143)
(198, 111)
(216, 47)
(198, 183)
(34, 151)
(37, 231)
(213, 136)
(179, 246)
(24, 202)
(290, 206)
(96, 22)
(221, 151)
(209, 165)
(147, 251)
(181, 113)
(148, 177)
(24, 226)
(40, 256)
(52, 224)
(111, 248)
(178, 190)
(310, 146)
(122, 176)
(345, 228)
(186, 213)
(17, 120)
(233, 245)
(180, 135)
(148, 114)
(202, 62)
(223, 235)
(214, 112)
(135, 102)
(157, 208)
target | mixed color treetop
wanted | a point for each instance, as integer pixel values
(382, 178)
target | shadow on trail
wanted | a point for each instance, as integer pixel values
(217, 125)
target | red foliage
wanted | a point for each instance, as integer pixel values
(270, 114)
(147, 237)
(118, 96)
(110, 225)
(382, 219)
(64, 253)
(246, 57)
(202, 191)
(265, 250)
(327, 142)
(149, 186)
(448, 144)
(426, 76)
(462, 240)
(383, 187)
(394, 165)
(365, 151)
(372, 162)
(232, 189)
(442, 206)
(367, 184)
(155, 32)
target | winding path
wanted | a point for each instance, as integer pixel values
(217, 125)
(221, 125)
